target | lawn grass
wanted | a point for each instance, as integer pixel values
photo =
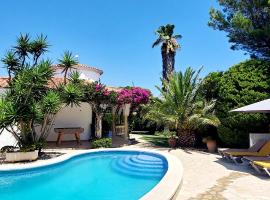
(158, 140)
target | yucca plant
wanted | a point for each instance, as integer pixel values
(28, 108)
(11, 62)
(22, 49)
(67, 62)
(29, 105)
(38, 47)
(180, 107)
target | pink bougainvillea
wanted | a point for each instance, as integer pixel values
(97, 93)
(98, 87)
(124, 96)
(140, 96)
(135, 96)
(106, 92)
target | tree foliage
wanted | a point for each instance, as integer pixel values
(181, 108)
(211, 85)
(67, 62)
(30, 103)
(28, 108)
(247, 23)
(245, 83)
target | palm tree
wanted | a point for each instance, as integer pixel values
(67, 63)
(181, 109)
(169, 45)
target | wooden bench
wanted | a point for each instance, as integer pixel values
(70, 130)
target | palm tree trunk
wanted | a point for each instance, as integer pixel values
(168, 61)
(164, 65)
(186, 138)
(171, 61)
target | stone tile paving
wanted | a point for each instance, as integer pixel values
(207, 176)
(215, 192)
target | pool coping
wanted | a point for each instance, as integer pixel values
(164, 190)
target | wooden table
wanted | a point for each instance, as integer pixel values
(70, 130)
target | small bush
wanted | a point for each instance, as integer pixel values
(102, 143)
(166, 133)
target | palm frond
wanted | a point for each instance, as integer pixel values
(157, 42)
(180, 104)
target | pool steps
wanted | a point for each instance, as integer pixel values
(142, 166)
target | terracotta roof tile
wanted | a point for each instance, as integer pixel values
(83, 67)
(3, 82)
(53, 83)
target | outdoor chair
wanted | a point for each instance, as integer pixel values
(254, 148)
(261, 165)
(236, 156)
(248, 159)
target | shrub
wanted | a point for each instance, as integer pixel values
(102, 143)
(166, 133)
(229, 136)
(245, 83)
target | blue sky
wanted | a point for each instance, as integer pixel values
(116, 35)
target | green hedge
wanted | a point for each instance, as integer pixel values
(242, 84)
(102, 143)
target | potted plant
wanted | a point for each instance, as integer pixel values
(210, 143)
(23, 154)
(172, 138)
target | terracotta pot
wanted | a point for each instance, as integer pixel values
(211, 145)
(172, 142)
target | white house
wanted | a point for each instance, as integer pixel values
(67, 116)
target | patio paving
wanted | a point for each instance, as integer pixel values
(207, 176)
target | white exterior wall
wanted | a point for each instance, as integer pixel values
(73, 117)
(7, 139)
(84, 74)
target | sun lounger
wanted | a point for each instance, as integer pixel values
(261, 165)
(236, 156)
(248, 159)
(254, 148)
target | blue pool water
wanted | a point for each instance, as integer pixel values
(107, 175)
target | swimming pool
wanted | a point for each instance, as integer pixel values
(90, 176)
